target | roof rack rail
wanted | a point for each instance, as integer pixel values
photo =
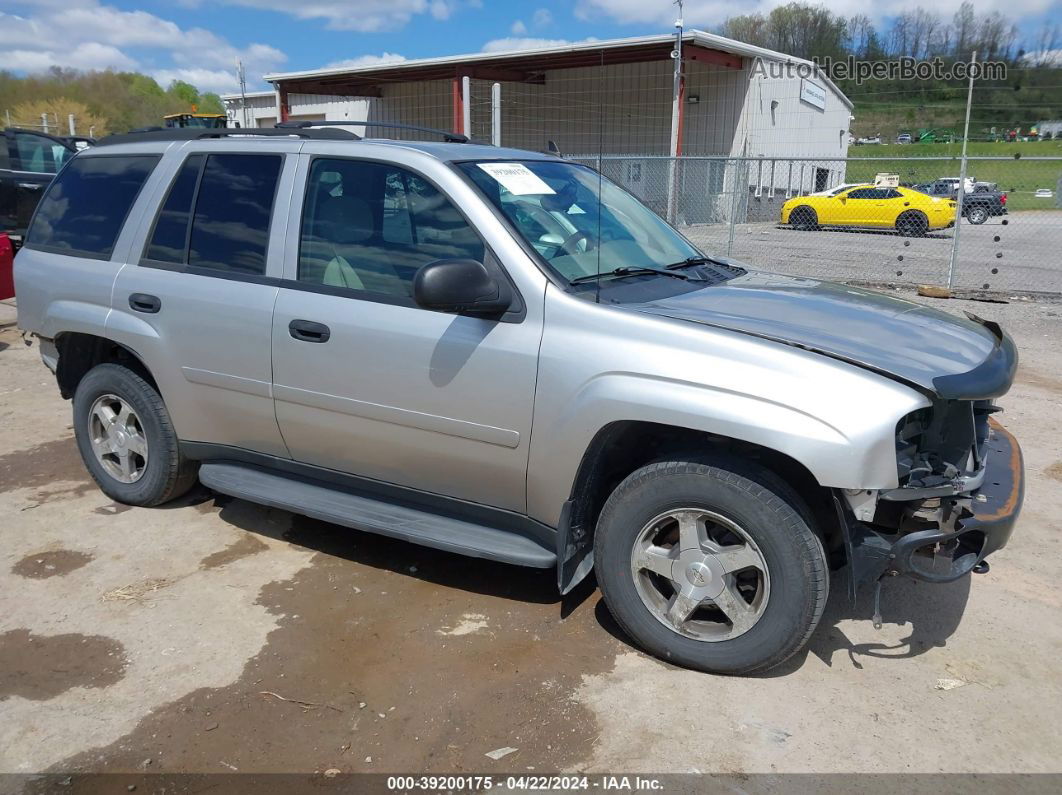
(449, 137)
(193, 134)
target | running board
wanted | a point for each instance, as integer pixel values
(330, 504)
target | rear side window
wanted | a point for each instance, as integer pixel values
(169, 240)
(216, 215)
(85, 207)
(230, 226)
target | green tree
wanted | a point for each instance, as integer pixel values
(184, 92)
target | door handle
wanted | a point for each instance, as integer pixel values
(308, 331)
(142, 302)
(30, 185)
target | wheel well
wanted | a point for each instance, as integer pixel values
(79, 353)
(622, 447)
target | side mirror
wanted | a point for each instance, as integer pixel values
(463, 286)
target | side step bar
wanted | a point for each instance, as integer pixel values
(330, 504)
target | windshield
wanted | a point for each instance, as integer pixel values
(555, 208)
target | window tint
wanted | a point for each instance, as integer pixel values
(371, 226)
(230, 226)
(862, 193)
(894, 194)
(85, 207)
(40, 154)
(170, 237)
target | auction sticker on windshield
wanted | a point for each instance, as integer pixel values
(516, 178)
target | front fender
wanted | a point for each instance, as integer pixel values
(835, 419)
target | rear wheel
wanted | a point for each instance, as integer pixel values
(126, 439)
(912, 224)
(804, 218)
(709, 563)
(977, 215)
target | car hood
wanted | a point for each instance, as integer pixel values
(949, 356)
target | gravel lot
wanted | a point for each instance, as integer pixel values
(1027, 245)
(215, 635)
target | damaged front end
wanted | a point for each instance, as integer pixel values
(961, 485)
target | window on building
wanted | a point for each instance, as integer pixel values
(86, 206)
(370, 227)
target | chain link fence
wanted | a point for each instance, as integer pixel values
(864, 220)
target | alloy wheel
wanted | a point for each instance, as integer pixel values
(700, 574)
(117, 438)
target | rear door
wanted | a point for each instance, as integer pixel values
(196, 299)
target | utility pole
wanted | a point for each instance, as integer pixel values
(242, 77)
(676, 120)
(962, 176)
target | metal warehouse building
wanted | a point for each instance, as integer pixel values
(615, 101)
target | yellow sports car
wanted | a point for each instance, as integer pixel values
(908, 211)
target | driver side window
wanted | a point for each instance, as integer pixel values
(371, 226)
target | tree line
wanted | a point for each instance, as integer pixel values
(101, 101)
(1031, 91)
(809, 31)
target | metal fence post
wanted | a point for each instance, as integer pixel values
(733, 207)
(466, 102)
(495, 114)
(962, 178)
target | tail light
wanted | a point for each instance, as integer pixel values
(1003, 199)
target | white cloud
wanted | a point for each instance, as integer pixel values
(365, 60)
(517, 43)
(542, 17)
(219, 81)
(366, 16)
(95, 36)
(90, 55)
(518, 28)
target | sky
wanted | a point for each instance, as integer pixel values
(199, 40)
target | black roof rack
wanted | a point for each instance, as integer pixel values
(449, 137)
(194, 134)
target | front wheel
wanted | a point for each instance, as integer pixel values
(804, 218)
(710, 563)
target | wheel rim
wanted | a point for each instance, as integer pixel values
(700, 574)
(117, 438)
(977, 216)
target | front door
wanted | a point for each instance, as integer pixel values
(368, 383)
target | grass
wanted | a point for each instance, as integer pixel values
(1017, 176)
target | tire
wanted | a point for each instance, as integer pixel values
(804, 218)
(160, 473)
(912, 224)
(977, 215)
(788, 595)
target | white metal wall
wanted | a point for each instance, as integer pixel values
(262, 109)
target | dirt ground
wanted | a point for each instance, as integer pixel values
(214, 635)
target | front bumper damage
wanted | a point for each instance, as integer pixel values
(970, 526)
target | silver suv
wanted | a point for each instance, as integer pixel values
(502, 354)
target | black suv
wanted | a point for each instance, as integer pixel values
(28, 161)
